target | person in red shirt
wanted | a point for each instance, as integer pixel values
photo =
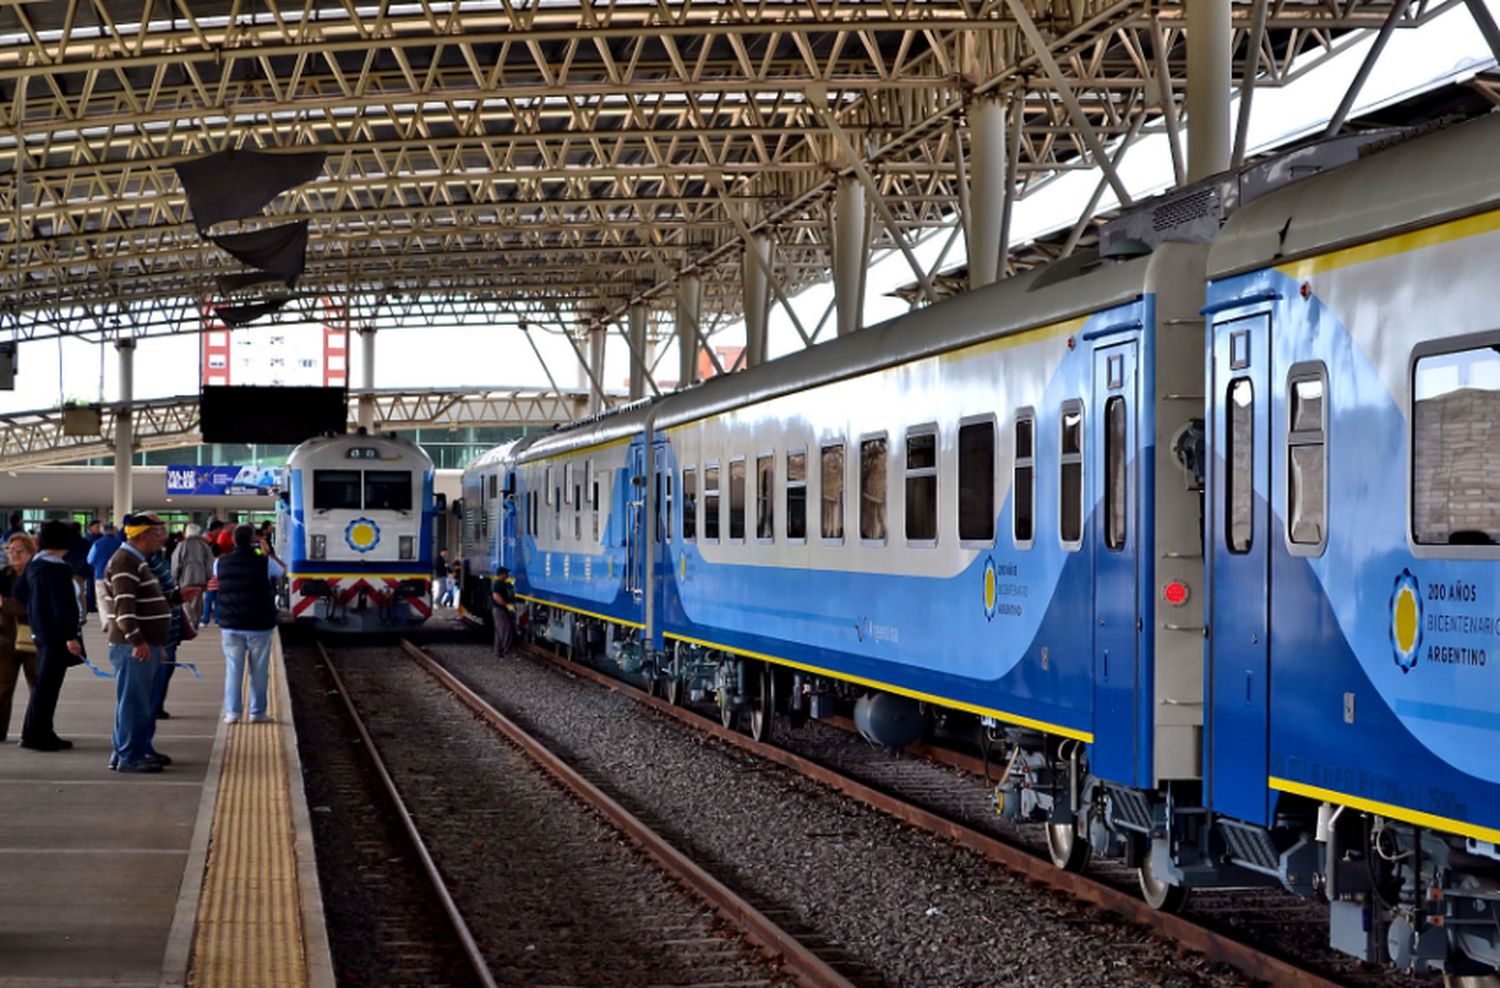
(225, 538)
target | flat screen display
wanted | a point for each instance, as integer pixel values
(235, 414)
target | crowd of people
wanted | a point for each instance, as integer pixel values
(151, 591)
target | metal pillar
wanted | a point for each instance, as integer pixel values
(689, 318)
(596, 365)
(1209, 60)
(757, 284)
(988, 192)
(849, 258)
(124, 432)
(367, 377)
(637, 350)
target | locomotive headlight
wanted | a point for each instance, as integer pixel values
(320, 547)
(408, 547)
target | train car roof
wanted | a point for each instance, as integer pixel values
(496, 454)
(313, 449)
(1074, 287)
(616, 424)
(1425, 180)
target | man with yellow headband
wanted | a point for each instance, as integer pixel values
(140, 616)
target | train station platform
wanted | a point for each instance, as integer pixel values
(200, 875)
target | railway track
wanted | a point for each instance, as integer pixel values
(544, 877)
(1259, 932)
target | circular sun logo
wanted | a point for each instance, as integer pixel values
(362, 535)
(991, 590)
(1406, 620)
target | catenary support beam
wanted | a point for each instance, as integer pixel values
(689, 326)
(988, 191)
(1486, 24)
(637, 350)
(757, 285)
(124, 436)
(1247, 81)
(1209, 62)
(1167, 100)
(1336, 122)
(849, 258)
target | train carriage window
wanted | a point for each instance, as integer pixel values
(547, 486)
(1116, 477)
(689, 503)
(557, 522)
(588, 477)
(388, 490)
(1070, 475)
(737, 498)
(336, 490)
(832, 473)
(796, 495)
(1023, 480)
(765, 497)
(1239, 493)
(976, 481)
(872, 489)
(711, 502)
(494, 484)
(1455, 448)
(1307, 458)
(531, 513)
(921, 486)
(666, 505)
(567, 485)
(595, 482)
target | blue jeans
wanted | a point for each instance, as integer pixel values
(239, 646)
(210, 607)
(135, 716)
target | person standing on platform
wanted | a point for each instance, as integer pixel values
(100, 553)
(94, 534)
(140, 618)
(17, 649)
(224, 537)
(161, 568)
(192, 564)
(16, 528)
(503, 600)
(440, 579)
(247, 613)
(57, 627)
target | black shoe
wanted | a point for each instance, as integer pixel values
(46, 744)
(62, 743)
(140, 766)
(163, 715)
(114, 760)
(159, 759)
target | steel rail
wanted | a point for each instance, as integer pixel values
(1192, 936)
(807, 966)
(460, 927)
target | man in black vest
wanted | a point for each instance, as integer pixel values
(503, 610)
(247, 613)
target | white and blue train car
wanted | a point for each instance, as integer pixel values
(487, 539)
(357, 528)
(1353, 673)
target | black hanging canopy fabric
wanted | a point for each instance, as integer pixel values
(234, 185)
(231, 284)
(243, 315)
(277, 250)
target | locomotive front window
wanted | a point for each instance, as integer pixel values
(1070, 476)
(921, 487)
(833, 491)
(689, 503)
(796, 495)
(1455, 496)
(872, 487)
(387, 490)
(1239, 504)
(737, 498)
(765, 497)
(976, 482)
(336, 490)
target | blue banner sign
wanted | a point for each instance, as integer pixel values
(223, 481)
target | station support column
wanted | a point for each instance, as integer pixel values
(596, 364)
(987, 200)
(637, 351)
(1209, 61)
(849, 217)
(367, 378)
(124, 432)
(757, 282)
(689, 314)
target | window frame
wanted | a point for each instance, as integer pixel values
(689, 510)
(1435, 348)
(934, 471)
(1230, 474)
(786, 495)
(1306, 370)
(1026, 413)
(1107, 505)
(1065, 460)
(718, 495)
(767, 455)
(842, 445)
(729, 535)
(885, 502)
(990, 419)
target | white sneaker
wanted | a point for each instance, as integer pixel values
(262, 719)
(231, 718)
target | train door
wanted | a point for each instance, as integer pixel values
(635, 514)
(508, 505)
(1238, 537)
(1116, 551)
(665, 500)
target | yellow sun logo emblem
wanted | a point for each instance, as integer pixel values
(362, 535)
(1406, 620)
(991, 590)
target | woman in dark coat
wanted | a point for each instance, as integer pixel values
(17, 650)
(56, 624)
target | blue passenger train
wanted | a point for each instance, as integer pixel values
(1203, 527)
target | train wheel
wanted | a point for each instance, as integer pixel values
(763, 712)
(1069, 850)
(1160, 895)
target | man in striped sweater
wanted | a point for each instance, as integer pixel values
(140, 618)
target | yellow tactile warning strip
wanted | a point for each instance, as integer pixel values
(249, 929)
